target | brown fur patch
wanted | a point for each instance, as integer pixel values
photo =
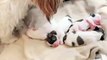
(49, 7)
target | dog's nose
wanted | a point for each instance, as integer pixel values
(52, 39)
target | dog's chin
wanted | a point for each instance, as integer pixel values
(55, 44)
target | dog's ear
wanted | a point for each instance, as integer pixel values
(48, 7)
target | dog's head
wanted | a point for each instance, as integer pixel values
(52, 39)
(96, 18)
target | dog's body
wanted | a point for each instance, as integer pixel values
(11, 12)
(90, 22)
(61, 28)
(86, 37)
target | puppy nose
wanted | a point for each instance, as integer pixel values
(52, 40)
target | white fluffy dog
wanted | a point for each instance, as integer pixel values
(11, 12)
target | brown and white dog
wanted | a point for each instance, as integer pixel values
(13, 11)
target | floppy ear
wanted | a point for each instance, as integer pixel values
(49, 7)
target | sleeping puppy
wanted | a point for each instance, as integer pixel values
(60, 29)
(82, 38)
(90, 22)
(67, 23)
(40, 28)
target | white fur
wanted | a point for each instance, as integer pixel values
(83, 25)
(40, 24)
(11, 11)
(62, 26)
(87, 36)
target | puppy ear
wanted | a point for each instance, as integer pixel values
(80, 41)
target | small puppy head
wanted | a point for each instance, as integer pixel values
(96, 18)
(52, 39)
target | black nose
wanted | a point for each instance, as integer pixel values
(52, 39)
